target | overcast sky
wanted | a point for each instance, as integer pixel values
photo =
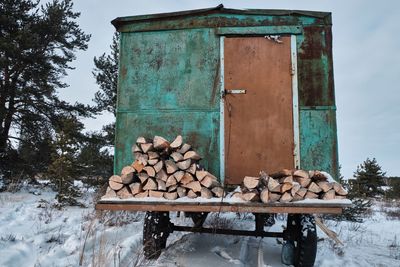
(366, 45)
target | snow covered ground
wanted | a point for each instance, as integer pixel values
(35, 233)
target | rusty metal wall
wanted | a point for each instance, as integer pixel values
(169, 82)
(168, 85)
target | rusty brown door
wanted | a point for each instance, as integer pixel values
(258, 125)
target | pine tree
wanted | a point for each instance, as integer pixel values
(369, 179)
(106, 75)
(63, 169)
(37, 45)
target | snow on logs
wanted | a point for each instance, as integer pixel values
(290, 185)
(164, 170)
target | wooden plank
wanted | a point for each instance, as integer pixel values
(221, 207)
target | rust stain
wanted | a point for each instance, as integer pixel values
(215, 88)
(316, 86)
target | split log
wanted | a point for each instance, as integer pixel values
(192, 169)
(297, 197)
(304, 182)
(340, 197)
(205, 193)
(313, 187)
(161, 186)
(179, 175)
(150, 184)
(170, 181)
(127, 174)
(201, 174)
(115, 182)
(192, 155)
(195, 186)
(172, 188)
(187, 178)
(310, 195)
(142, 140)
(210, 181)
(287, 179)
(330, 194)
(319, 176)
(124, 193)
(181, 191)
(170, 166)
(282, 173)
(273, 197)
(273, 185)
(150, 171)
(184, 148)
(218, 191)
(339, 189)
(137, 155)
(152, 161)
(296, 187)
(237, 195)
(302, 192)
(191, 194)
(143, 159)
(177, 142)
(137, 165)
(264, 195)
(286, 187)
(110, 193)
(136, 148)
(325, 186)
(157, 194)
(250, 196)
(171, 195)
(286, 197)
(158, 166)
(162, 175)
(146, 147)
(153, 155)
(142, 194)
(136, 188)
(184, 165)
(143, 177)
(160, 142)
(251, 182)
(176, 156)
(301, 174)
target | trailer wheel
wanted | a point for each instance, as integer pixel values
(198, 218)
(303, 232)
(156, 229)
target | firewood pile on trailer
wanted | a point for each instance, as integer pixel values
(164, 170)
(169, 171)
(290, 185)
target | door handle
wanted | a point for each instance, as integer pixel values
(234, 92)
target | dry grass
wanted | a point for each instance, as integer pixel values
(218, 221)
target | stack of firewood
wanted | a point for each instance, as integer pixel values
(164, 170)
(288, 185)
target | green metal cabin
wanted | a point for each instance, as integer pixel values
(196, 73)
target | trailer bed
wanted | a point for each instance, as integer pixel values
(305, 207)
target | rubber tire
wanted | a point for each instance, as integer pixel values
(198, 218)
(304, 233)
(156, 229)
